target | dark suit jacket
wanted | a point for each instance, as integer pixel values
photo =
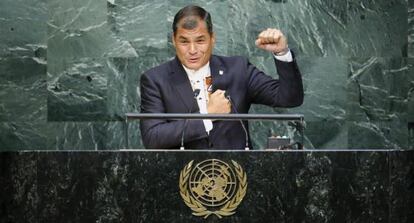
(167, 89)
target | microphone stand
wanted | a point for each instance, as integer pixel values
(196, 93)
(241, 122)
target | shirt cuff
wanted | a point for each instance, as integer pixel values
(285, 58)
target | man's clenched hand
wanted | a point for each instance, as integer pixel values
(272, 40)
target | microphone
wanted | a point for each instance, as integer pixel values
(196, 92)
(241, 122)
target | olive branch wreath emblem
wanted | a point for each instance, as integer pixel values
(198, 209)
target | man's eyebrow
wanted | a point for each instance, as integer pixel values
(182, 37)
(202, 37)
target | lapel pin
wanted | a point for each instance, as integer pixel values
(221, 72)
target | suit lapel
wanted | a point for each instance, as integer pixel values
(217, 73)
(182, 85)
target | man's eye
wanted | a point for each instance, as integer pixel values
(200, 41)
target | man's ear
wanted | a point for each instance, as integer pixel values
(173, 39)
(213, 38)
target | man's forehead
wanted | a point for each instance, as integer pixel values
(191, 34)
(197, 32)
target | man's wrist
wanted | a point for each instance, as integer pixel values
(282, 53)
(286, 57)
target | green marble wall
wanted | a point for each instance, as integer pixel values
(69, 70)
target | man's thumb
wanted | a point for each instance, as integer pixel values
(258, 42)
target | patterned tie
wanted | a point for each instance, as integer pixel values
(209, 84)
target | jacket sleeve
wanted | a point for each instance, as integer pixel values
(287, 91)
(162, 133)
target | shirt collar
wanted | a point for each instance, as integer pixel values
(204, 70)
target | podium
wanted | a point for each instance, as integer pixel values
(147, 186)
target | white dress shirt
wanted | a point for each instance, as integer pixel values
(197, 79)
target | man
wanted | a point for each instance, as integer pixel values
(198, 82)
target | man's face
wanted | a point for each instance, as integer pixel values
(193, 46)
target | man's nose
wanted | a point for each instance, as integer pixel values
(193, 48)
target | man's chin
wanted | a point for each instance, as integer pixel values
(193, 66)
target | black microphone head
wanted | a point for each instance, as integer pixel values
(227, 95)
(196, 92)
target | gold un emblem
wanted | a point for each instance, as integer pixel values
(213, 187)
